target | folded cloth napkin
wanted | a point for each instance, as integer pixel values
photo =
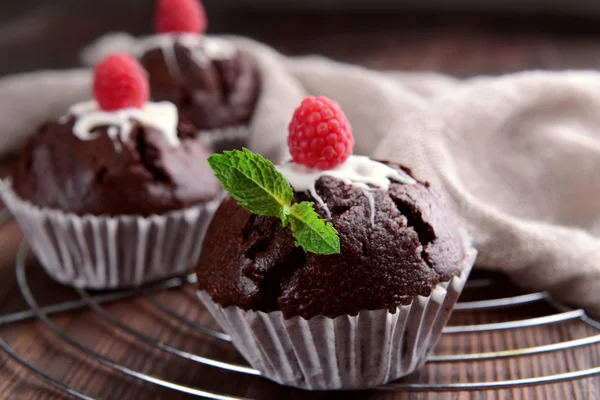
(516, 157)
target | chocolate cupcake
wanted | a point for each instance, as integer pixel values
(118, 191)
(214, 84)
(347, 279)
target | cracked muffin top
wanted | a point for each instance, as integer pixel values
(213, 84)
(141, 174)
(396, 243)
(118, 154)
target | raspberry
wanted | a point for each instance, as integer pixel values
(179, 16)
(320, 134)
(120, 82)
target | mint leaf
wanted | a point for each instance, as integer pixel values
(254, 183)
(312, 233)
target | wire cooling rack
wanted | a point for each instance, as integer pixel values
(96, 303)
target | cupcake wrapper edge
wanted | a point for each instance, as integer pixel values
(102, 252)
(347, 352)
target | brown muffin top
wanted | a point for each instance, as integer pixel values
(142, 175)
(251, 262)
(211, 91)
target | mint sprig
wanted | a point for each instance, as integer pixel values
(313, 234)
(256, 185)
(253, 182)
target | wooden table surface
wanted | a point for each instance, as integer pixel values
(49, 37)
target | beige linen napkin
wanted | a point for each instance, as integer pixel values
(515, 156)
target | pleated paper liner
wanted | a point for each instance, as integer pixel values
(347, 352)
(110, 252)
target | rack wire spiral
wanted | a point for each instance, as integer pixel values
(96, 303)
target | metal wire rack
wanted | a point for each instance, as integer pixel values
(96, 303)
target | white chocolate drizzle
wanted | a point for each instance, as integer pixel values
(203, 48)
(162, 116)
(367, 192)
(113, 134)
(359, 171)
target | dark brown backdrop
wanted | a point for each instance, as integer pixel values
(42, 34)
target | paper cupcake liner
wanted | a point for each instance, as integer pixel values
(348, 352)
(232, 138)
(101, 252)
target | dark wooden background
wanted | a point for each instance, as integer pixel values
(36, 35)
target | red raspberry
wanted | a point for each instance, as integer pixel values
(180, 16)
(320, 134)
(120, 82)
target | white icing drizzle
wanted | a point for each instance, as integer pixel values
(203, 48)
(113, 134)
(359, 171)
(366, 190)
(168, 51)
(161, 116)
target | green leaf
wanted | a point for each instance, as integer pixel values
(254, 183)
(312, 233)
